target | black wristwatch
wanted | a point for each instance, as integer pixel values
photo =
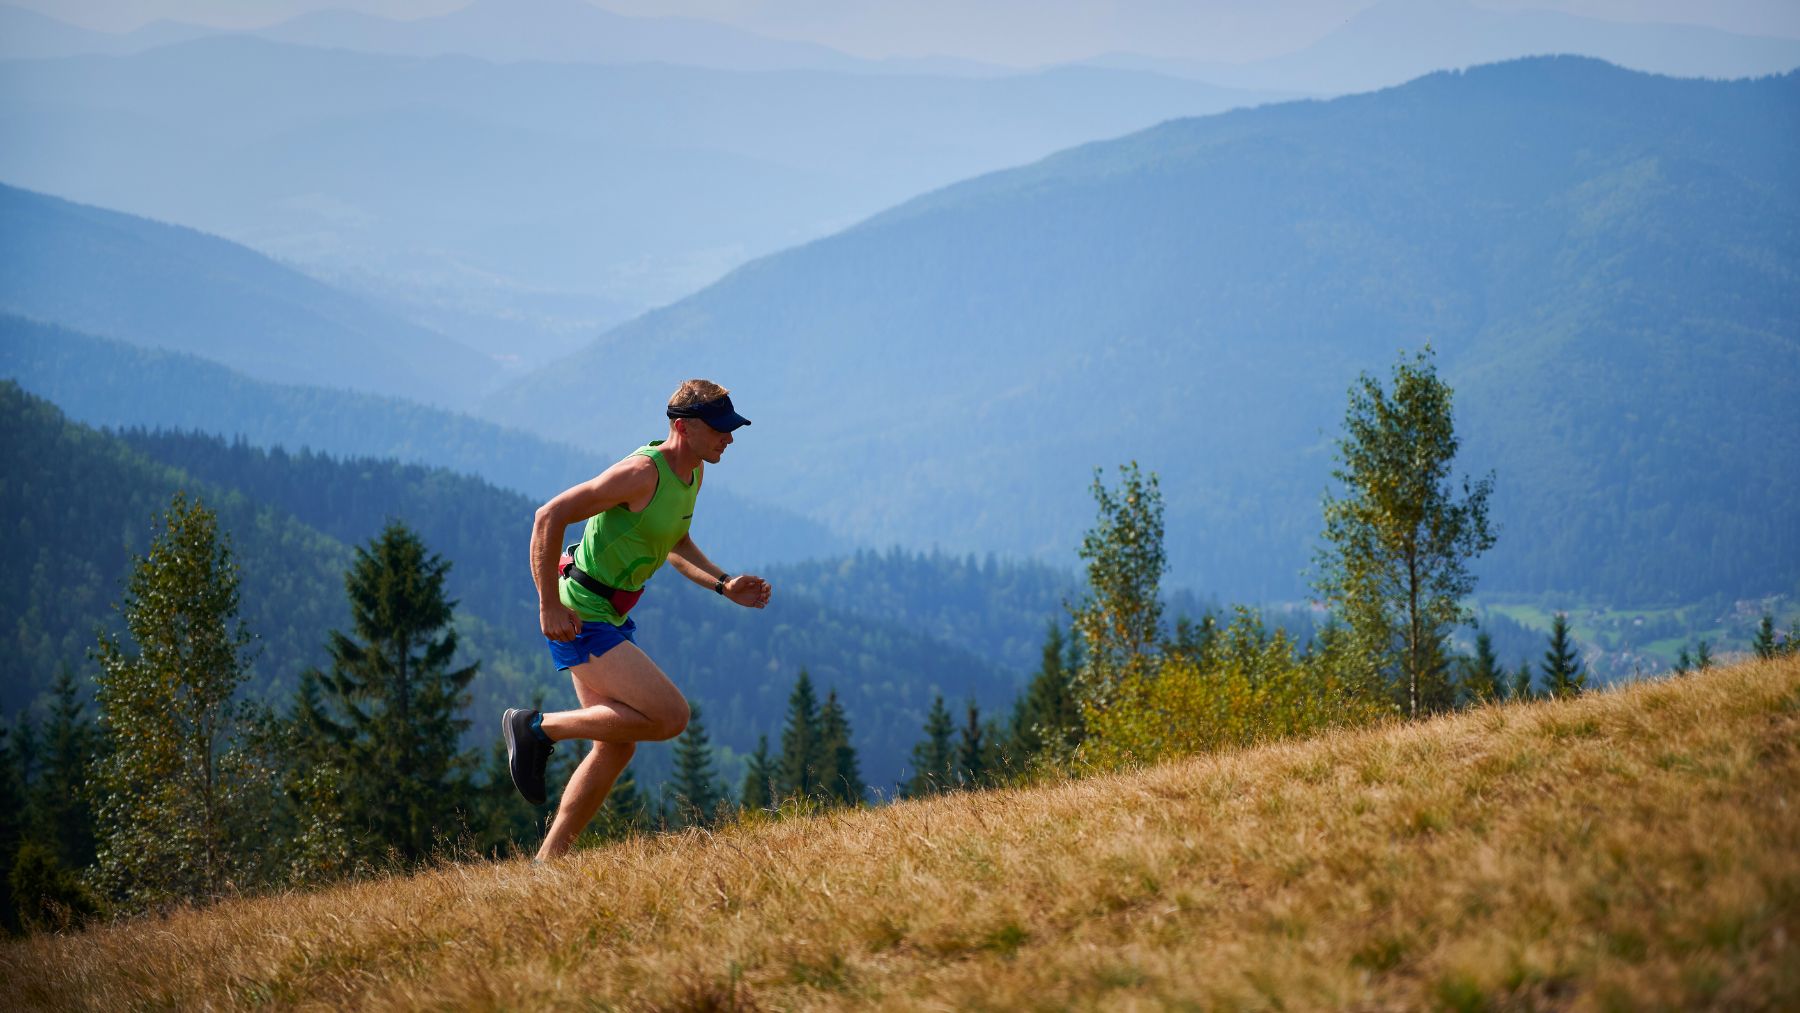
(719, 585)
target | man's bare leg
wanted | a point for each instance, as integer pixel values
(625, 699)
(586, 793)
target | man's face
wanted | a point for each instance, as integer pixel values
(708, 442)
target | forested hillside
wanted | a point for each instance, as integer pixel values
(104, 382)
(83, 502)
(1608, 264)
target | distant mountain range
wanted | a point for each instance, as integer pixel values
(165, 286)
(1607, 262)
(1397, 40)
(104, 382)
(523, 207)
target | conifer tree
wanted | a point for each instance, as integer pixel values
(801, 771)
(934, 757)
(1047, 720)
(1400, 537)
(1482, 675)
(1703, 656)
(695, 787)
(974, 754)
(626, 812)
(1683, 662)
(1764, 643)
(392, 704)
(1563, 675)
(758, 775)
(844, 783)
(61, 800)
(12, 826)
(1520, 683)
(178, 805)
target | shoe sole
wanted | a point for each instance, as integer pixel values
(512, 750)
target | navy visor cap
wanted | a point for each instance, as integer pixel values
(716, 413)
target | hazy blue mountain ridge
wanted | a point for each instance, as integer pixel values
(103, 382)
(512, 187)
(167, 286)
(1604, 260)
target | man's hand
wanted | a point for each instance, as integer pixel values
(558, 621)
(748, 590)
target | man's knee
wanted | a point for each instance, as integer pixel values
(673, 721)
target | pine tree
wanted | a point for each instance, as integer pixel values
(1400, 538)
(844, 783)
(1046, 719)
(12, 826)
(1520, 684)
(1683, 662)
(1482, 676)
(695, 788)
(626, 811)
(178, 806)
(801, 771)
(973, 753)
(62, 813)
(1563, 675)
(1703, 656)
(758, 774)
(1765, 638)
(392, 704)
(934, 757)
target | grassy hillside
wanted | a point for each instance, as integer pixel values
(1633, 849)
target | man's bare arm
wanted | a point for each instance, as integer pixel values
(631, 482)
(746, 589)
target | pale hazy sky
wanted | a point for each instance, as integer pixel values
(1020, 32)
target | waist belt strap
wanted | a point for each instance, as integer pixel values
(621, 600)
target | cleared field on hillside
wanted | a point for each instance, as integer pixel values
(1632, 849)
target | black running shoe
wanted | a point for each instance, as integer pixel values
(526, 754)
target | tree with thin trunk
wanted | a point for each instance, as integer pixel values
(176, 804)
(1400, 536)
(1120, 620)
(800, 771)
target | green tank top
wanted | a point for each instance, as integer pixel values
(623, 549)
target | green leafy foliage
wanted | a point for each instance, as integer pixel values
(1399, 537)
(1122, 616)
(180, 804)
(1246, 685)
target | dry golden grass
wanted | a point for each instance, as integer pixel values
(1629, 850)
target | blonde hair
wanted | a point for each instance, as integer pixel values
(695, 392)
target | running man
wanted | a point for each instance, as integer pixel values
(637, 514)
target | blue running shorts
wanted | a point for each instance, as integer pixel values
(595, 639)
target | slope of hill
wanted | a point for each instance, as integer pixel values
(1626, 850)
(165, 286)
(83, 502)
(561, 191)
(103, 382)
(1606, 263)
(1397, 40)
